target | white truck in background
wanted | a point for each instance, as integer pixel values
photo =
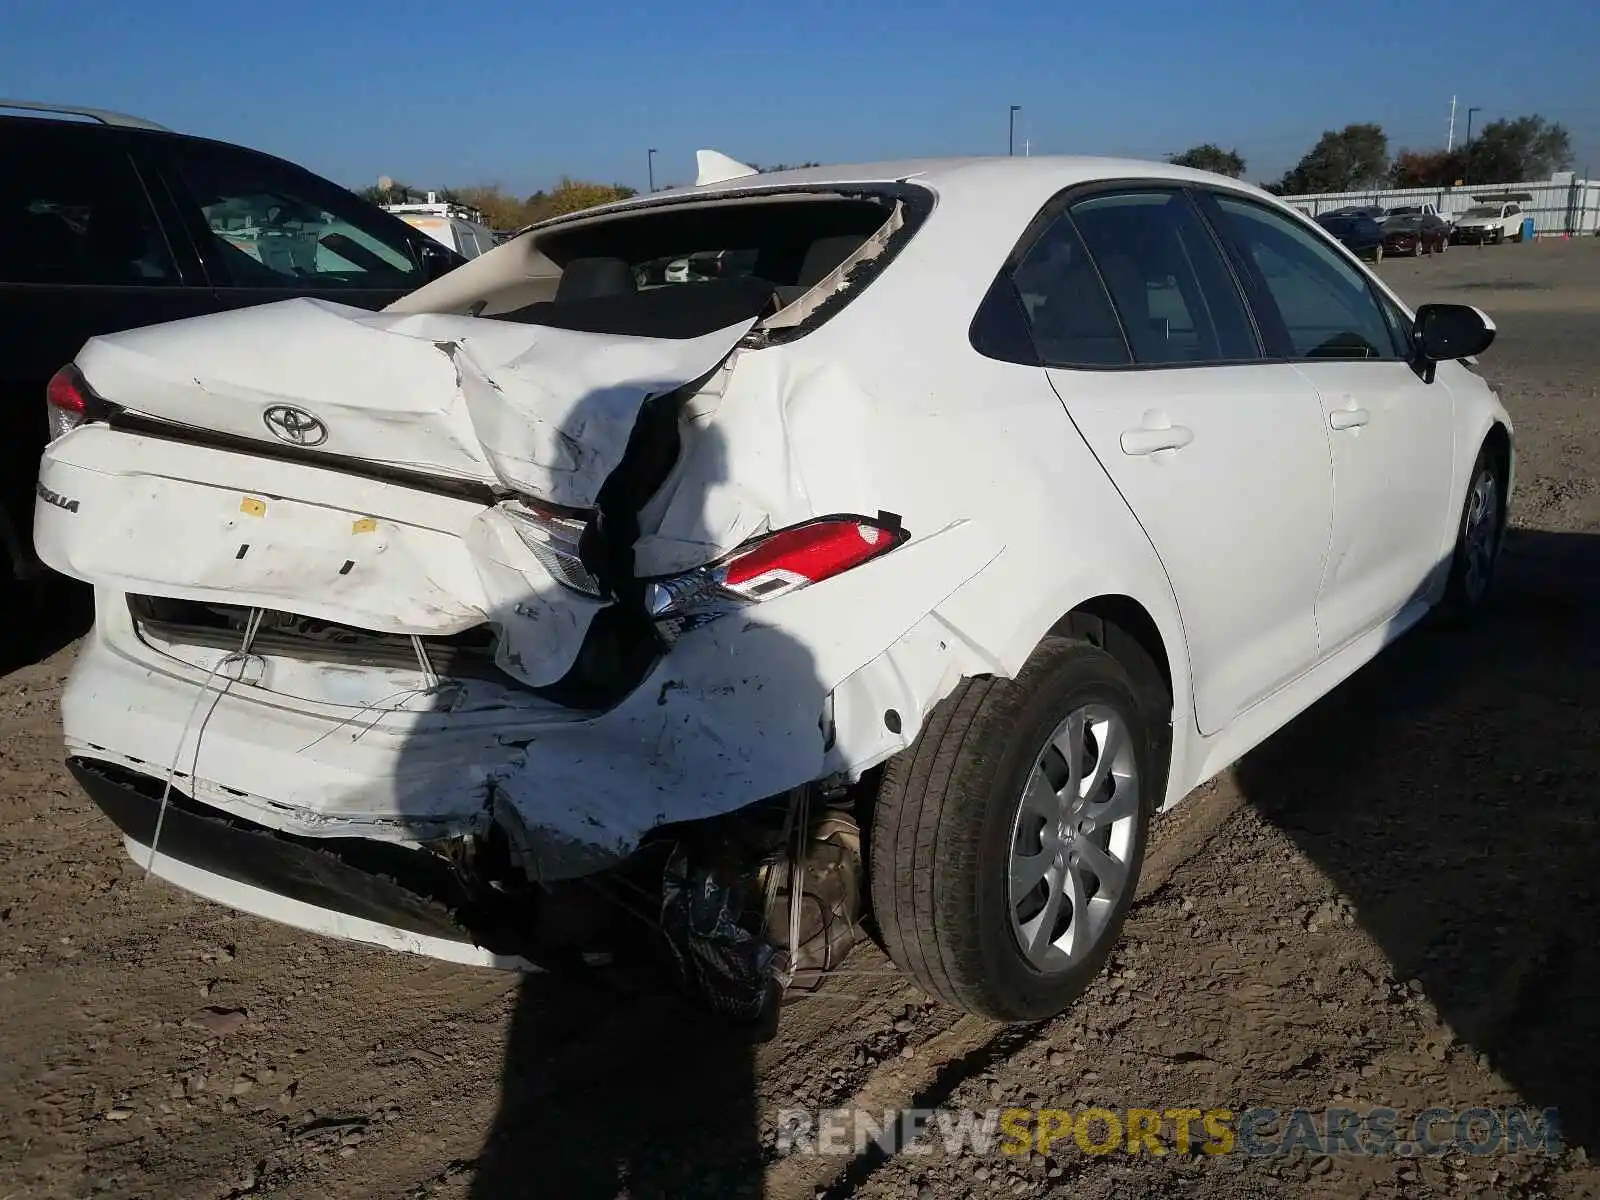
(455, 225)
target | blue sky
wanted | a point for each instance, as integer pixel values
(520, 95)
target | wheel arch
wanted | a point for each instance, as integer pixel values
(1088, 620)
(1498, 442)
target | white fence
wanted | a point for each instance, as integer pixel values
(1559, 206)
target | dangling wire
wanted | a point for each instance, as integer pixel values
(240, 656)
(797, 882)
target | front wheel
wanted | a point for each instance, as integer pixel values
(1007, 840)
(1479, 534)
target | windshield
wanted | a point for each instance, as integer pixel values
(1482, 210)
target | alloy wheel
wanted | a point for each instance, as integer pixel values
(1073, 839)
(1480, 534)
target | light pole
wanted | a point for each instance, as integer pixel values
(1466, 146)
(1011, 130)
(650, 162)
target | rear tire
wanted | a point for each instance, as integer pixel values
(957, 829)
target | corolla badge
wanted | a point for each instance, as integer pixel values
(295, 426)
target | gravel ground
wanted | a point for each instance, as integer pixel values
(1393, 902)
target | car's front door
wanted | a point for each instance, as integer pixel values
(1221, 456)
(268, 230)
(1392, 434)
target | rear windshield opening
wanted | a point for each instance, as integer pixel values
(687, 270)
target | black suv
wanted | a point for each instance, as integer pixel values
(108, 222)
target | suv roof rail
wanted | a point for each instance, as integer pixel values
(104, 116)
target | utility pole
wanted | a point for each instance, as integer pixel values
(650, 162)
(1450, 143)
(1011, 130)
(1467, 145)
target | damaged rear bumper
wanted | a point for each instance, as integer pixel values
(397, 897)
(828, 681)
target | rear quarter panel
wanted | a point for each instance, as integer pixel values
(957, 436)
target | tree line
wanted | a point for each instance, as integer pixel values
(504, 210)
(1357, 157)
(1354, 158)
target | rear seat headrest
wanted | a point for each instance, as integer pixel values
(590, 278)
(826, 253)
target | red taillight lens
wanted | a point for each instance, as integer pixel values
(69, 401)
(806, 554)
(770, 567)
(66, 391)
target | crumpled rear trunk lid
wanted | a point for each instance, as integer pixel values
(536, 410)
(282, 512)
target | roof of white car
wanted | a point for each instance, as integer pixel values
(1044, 174)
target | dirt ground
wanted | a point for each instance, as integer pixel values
(1393, 902)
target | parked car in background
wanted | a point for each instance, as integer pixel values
(1425, 209)
(453, 225)
(1415, 235)
(1360, 233)
(549, 587)
(1492, 220)
(108, 222)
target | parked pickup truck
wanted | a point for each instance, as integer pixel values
(1419, 210)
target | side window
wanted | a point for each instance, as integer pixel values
(1399, 325)
(80, 216)
(1319, 304)
(1067, 308)
(1513, 210)
(1170, 283)
(274, 227)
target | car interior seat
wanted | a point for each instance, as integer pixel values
(591, 278)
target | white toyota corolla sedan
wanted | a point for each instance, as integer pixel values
(901, 560)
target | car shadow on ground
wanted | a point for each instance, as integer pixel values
(614, 1082)
(1451, 791)
(609, 1091)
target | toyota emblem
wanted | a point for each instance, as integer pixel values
(295, 426)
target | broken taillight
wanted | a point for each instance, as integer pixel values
(771, 566)
(553, 536)
(69, 401)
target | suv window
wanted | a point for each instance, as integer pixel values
(80, 216)
(275, 227)
(1319, 303)
(1171, 286)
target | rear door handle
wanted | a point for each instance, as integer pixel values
(1148, 441)
(1348, 418)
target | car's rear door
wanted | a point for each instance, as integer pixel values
(82, 252)
(1392, 434)
(1221, 455)
(268, 230)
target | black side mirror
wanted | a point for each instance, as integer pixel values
(1445, 331)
